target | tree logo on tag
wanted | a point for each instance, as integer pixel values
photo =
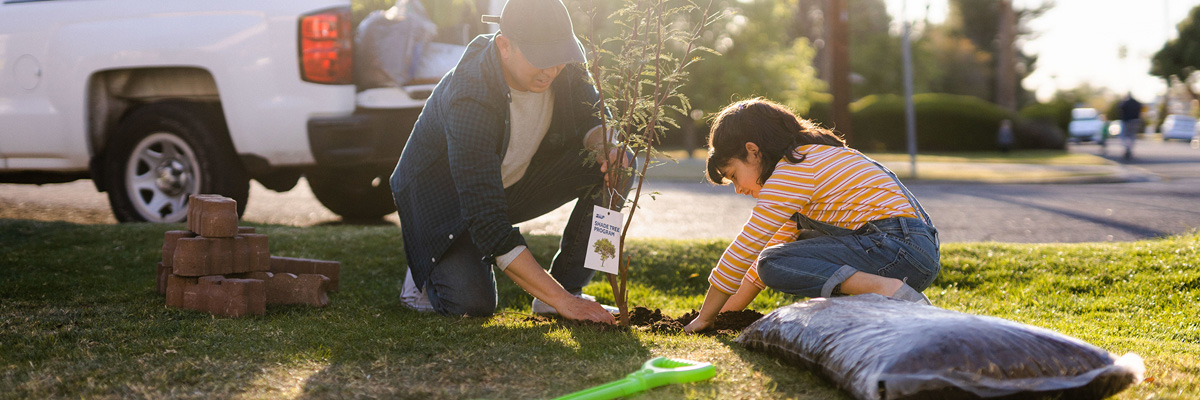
(605, 249)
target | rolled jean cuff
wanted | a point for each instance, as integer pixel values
(839, 276)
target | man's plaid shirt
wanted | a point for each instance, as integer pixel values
(448, 178)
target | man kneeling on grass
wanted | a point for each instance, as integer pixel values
(499, 142)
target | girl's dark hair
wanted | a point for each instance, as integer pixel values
(771, 126)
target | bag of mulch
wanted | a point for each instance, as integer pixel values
(881, 348)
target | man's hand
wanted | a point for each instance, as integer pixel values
(615, 154)
(584, 310)
(697, 325)
(527, 274)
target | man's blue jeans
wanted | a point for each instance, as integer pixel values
(463, 284)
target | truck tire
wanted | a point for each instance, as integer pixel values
(163, 152)
(355, 194)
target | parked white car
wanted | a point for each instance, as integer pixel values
(1086, 125)
(1179, 127)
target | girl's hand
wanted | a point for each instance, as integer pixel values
(745, 294)
(697, 325)
(713, 301)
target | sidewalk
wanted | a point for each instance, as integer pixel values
(1101, 171)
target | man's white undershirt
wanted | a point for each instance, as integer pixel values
(530, 115)
(529, 119)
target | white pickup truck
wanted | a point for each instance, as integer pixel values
(158, 99)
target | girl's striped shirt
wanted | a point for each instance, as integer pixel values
(835, 185)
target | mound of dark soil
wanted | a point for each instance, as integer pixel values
(734, 321)
(728, 322)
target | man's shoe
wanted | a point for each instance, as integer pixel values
(413, 298)
(540, 307)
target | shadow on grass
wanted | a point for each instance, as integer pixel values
(788, 380)
(506, 356)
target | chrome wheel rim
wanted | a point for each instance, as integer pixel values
(161, 173)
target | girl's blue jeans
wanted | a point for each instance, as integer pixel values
(902, 248)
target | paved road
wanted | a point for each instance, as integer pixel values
(963, 212)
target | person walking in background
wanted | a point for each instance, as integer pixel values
(829, 221)
(1004, 136)
(1130, 111)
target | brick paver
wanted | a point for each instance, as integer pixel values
(299, 266)
(227, 297)
(202, 256)
(285, 288)
(162, 272)
(224, 269)
(170, 241)
(212, 216)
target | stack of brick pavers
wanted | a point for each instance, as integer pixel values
(218, 267)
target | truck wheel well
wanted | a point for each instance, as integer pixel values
(113, 94)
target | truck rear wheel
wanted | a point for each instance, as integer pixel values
(163, 152)
(355, 194)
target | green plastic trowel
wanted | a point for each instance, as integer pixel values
(656, 372)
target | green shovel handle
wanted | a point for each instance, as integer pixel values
(662, 371)
(656, 372)
(611, 390)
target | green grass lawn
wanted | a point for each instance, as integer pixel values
(79, 317)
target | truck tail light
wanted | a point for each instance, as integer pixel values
(327, 47)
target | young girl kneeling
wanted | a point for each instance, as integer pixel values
(829, 221)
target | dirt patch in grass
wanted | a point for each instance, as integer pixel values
(727, 322)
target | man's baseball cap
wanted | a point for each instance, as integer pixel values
(542, 29)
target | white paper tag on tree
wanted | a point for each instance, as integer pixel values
(603, 254)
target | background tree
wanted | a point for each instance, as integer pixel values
(955, 57)
(964, 69)
(1180, 57)
(977, 21)
(761, 57)
(873, 48)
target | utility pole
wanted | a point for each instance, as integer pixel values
(910, 113)
(839, 39)
(1006, 76)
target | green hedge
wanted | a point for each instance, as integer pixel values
(1057, 113)
(1034, 134)
(820, 109)
(944, 123)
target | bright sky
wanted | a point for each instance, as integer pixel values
(1078, 41)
